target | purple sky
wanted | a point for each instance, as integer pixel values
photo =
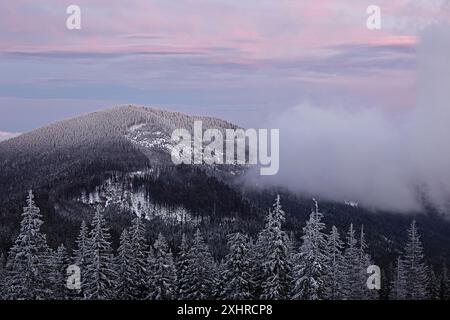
(239, 60)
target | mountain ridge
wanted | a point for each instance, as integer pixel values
(63, 160)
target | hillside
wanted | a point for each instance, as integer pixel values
(119, 159)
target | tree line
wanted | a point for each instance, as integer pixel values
(271, 267)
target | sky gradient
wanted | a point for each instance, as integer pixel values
(241, 60)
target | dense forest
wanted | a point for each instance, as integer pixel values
(270, 266)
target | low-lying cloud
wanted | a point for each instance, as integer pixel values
(383, 161)
(7, 135)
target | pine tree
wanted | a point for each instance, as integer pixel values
(309, 270)
(140, 257)
(276, 274)
(98, 283)
(199, 279)
(237, 278)
(124, 268)
(415, 268)
(182, 266)
(334, 266)
(59, 264)
(27, 270)
(399, 284)
(163, 275)
(352, 278)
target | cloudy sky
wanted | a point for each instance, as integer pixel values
(240, 60)
(364, 115)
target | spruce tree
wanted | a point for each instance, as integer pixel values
(80, 252)
(444, 284)
(309, 269)
(200, 273)
(140, 256)
(124, 267)
(163, 276)
(28, 267)
(276, 262)
(220, 280)
(182, 266)
(364, 261)
(334, 266)
(258, 255)
(59, 264)
(2, 275)
(415, 268)
(433, 289)
(399, 284)
(237, 278)
(352, 279)
(99, 280)
(80, 257)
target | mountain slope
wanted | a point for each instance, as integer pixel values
(120, 159)
(102, 139)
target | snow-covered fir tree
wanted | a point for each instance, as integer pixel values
(140, 256)
(433, 285)
(124, 268)
(237, 279)
(399, 286)
(219, 280)
(80, 255)
(352, 275)
(182, 266)
(2, 275)
(257, 255)
(28, 268)
(276, 271)
(80, 251)
(60, 262)
(334, 266)
(365, 261)
(444, 293)
(199, 277)
(310, 270)
(415, 268)
(99, 280)
(162, 273)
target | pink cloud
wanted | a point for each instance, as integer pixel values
(7, 135)
(257, 29)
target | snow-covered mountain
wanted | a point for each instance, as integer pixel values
(137, 124)
(122, 138)
(120, 159)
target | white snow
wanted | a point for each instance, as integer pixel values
(352, 204)
(116, 191)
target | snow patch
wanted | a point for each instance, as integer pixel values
(121, 193)
(352, 204)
